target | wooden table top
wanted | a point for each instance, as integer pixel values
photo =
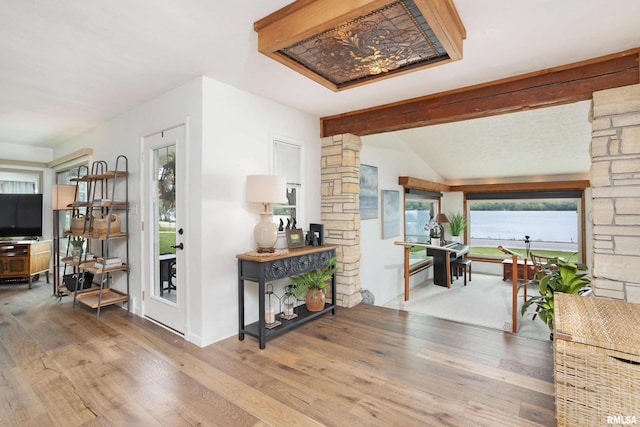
(282, 253)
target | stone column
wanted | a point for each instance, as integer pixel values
(615, 182)
(340, 178)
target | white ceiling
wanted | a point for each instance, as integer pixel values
(69, 65)
(532, 144)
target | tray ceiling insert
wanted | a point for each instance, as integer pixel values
(340, 46)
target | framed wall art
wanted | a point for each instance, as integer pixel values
(390, 213)
(368, 192)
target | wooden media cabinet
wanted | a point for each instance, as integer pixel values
(22, 260)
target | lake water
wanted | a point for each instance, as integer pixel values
(547, 226)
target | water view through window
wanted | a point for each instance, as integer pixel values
(552, 227)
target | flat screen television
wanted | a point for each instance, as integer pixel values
(20, 215)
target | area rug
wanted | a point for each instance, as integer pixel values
(485, 301)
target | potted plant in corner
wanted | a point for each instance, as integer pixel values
(557, 276)
(312, 284)
(457, 224)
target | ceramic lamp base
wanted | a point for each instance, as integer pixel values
(266, 233)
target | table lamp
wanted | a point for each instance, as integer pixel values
(441, 219)
(266, 189)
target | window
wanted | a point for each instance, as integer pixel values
(20, 182)
(65, 176)
(547, 224)
(420, 210)
(287, 162)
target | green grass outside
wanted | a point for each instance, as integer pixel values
(495, 252)
(167, 239)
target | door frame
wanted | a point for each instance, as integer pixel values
(147, 258)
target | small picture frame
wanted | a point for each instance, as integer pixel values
(317, 233)
(295, 238)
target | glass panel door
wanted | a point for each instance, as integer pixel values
(164, 299)
(165, 222)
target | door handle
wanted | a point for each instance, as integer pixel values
(180, 246)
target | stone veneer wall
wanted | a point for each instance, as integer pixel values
(615, 182)
(340, 179)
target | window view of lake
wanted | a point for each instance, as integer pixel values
(546, 229)
(548, 226)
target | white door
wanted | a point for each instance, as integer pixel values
(163, 298)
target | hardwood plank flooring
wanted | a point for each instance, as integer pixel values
(366, 366)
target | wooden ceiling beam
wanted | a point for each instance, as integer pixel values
(522, 186)
(554, 86)
(421, 184)
(425, 185)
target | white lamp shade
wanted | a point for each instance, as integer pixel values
(266, 189)
(62, 196)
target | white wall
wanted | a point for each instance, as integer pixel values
(229, 137)
(237, 133)
(122, 136)
(25, 153)
(382, 262)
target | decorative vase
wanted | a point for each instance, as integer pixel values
(314, 299)
(457, 239)
(76, 251)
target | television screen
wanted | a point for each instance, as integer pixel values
(20, 215)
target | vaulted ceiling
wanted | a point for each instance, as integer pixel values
(67, 66)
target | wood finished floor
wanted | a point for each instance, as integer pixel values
(367, 366)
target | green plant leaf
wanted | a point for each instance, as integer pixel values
(457, 223)
(559, 276)
(315, 279)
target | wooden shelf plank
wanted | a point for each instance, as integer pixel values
(82, 264)
(119, 267)
(62, 288)
(92, 236)
(109, 296)
(106, 175)
(116, 204)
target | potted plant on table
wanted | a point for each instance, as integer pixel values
(312, 284)
(457, 224)
(557, 276)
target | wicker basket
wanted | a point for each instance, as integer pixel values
(597, 360)
(100, 226)
(78, 224)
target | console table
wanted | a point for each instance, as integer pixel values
(262, 269)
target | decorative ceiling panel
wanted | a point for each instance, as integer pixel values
(356, 48)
